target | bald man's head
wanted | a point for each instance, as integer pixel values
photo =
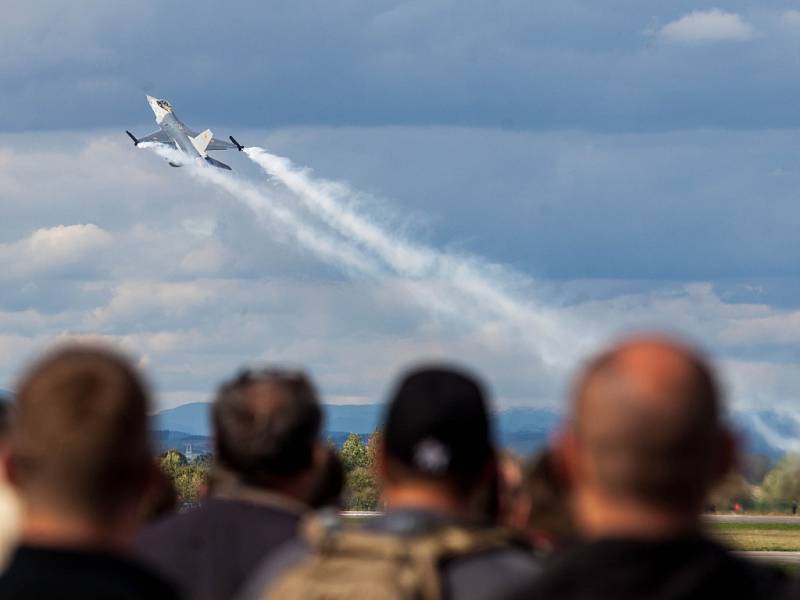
(646, 422)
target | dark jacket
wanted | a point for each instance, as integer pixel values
(211, 550)
(496, 573)
(38, 573)
(686, 567)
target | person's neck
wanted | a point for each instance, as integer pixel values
(55, 529)
(600, 517)
(423, 497)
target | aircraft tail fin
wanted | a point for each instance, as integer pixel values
(202, 141)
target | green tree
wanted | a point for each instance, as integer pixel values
(354, 453)
(782, 484)
(203, 460)
(358, 460)
(172, 462)
(190, 482)
(361, 493)
(190, 479)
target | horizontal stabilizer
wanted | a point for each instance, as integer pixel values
(217, 164)
(202, 141)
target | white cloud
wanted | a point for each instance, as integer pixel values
(137, 299)
(707, 26)
(208, 258)
(53, 249)
(193, 288)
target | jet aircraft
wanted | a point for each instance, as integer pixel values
(174, 133)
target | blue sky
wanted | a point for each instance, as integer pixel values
(631, 164)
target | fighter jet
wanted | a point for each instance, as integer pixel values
(174, 133)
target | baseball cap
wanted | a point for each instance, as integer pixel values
(437, 423)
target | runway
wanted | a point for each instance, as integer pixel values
(754, 519)
(771, 557)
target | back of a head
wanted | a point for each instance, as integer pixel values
(329, 483)
(437, 428)
(267, 425)
(646, 414)
(80, 440)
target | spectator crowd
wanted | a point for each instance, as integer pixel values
(611, 509)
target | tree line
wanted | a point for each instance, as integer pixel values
(757, 486)
(190, 478)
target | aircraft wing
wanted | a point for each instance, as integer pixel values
(217, 144)
(157, 136)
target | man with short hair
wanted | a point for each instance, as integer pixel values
(436, 458)
(644, 443)
(80, 458)
(267, 433)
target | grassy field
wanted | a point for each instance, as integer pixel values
(758, 536)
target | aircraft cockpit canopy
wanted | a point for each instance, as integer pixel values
(164, 104)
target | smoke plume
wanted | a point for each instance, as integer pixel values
(465, 287)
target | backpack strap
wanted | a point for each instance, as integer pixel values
(419, 558)
(432, 551)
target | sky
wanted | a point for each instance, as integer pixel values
(600, 168)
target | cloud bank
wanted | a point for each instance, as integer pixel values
(182, 276)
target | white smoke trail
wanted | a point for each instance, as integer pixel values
(472, 283)
(332, 250)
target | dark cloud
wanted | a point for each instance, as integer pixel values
(511, 64)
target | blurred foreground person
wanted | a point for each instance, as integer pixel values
(645, 442)
(163, 500)
(268, 452)
(436, 454)
(326, 493)
(10, 510)
(542, 510)
(81, 460)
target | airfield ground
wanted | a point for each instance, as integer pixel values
(768, 538)
(771, 538)
(758, 537)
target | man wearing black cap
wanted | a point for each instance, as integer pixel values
(434, 540)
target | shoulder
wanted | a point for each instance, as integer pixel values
(148, 584)
(494, 573)
(287, 556)
(67, 574)
(638, 568)
(217, 513)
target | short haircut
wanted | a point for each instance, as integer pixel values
(438, 428)
(661, 431)
(80, 439)
(267, 424)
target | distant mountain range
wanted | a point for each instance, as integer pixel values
(770, 433)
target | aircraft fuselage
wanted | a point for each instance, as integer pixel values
(173, 132)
